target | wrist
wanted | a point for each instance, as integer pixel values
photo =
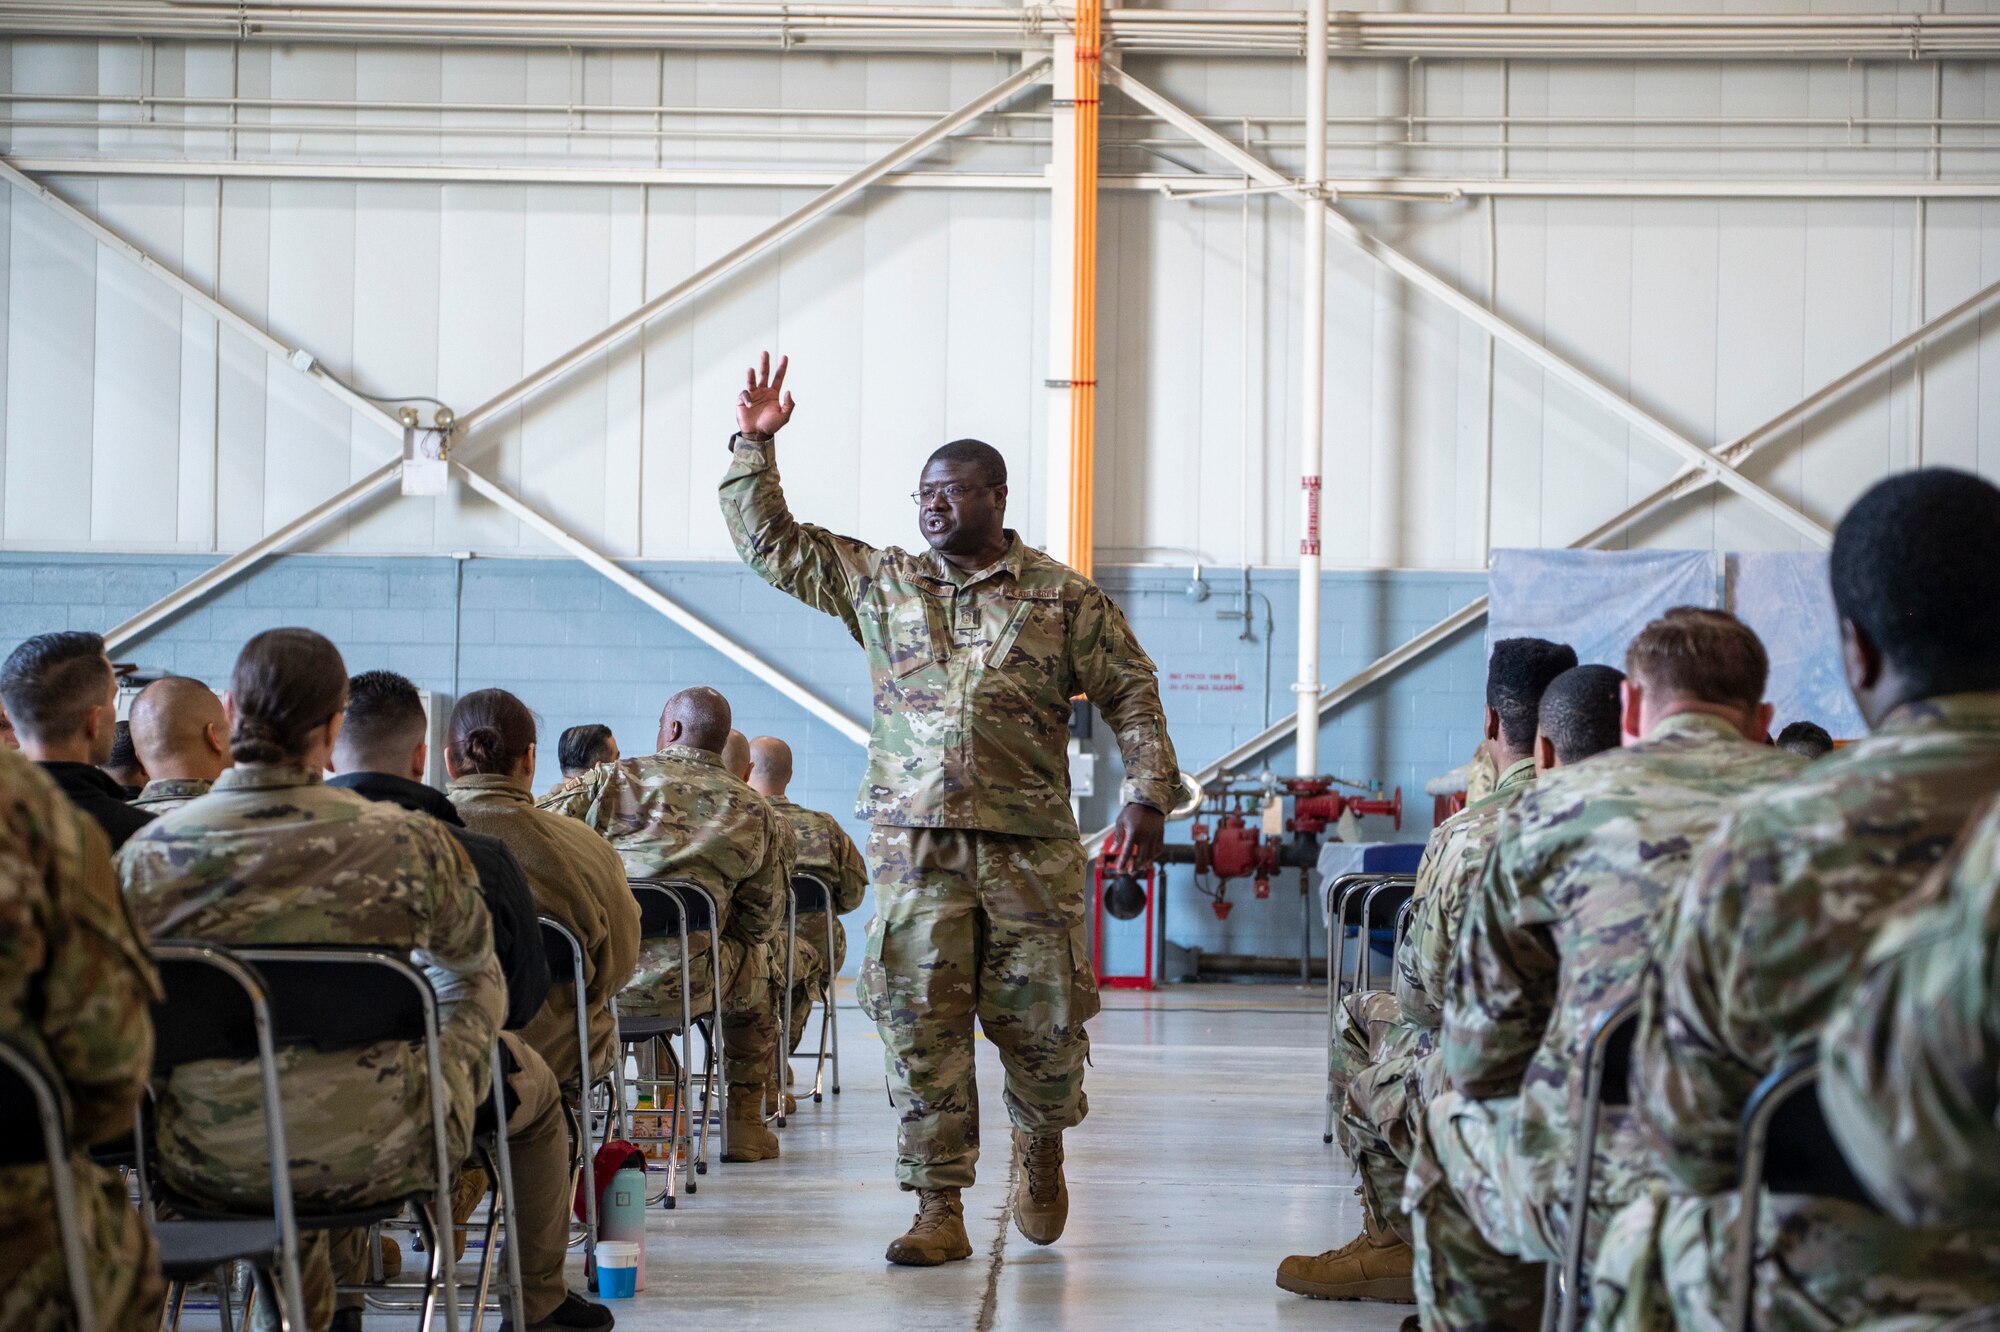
(752, 437)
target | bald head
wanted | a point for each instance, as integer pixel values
(698, 718)
(736, 755)
(178, 730)
(770, 766)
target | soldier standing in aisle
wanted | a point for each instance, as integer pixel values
(976, 647)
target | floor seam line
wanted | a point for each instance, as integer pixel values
(989, 1304)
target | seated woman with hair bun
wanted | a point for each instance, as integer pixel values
(247, 865)
(575, 875)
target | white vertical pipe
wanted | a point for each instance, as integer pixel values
(1312, 379)
(1057, 500)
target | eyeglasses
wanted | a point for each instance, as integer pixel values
(952, 494)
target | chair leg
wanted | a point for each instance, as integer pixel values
(170, 1313)
(435, 1244)
(483, 1286)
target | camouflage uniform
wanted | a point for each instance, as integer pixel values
(977, 869)
(1911, 1055)
(1770, 930)
(273, 855)
(1382, 1097)
(75, 984)
(677, 815)
(1555, 936)
(166, 793)
(827, 853)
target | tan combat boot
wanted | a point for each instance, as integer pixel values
(1375, 1265)
(772, 1100)
(750, 1139)
(936, 1235)
(1041, 1203)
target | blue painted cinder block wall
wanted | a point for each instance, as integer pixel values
(578, 649)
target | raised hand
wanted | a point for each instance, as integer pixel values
(763, 407)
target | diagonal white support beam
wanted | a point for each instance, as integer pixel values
(270, 544)
(655, 599)
(194, 295)
(1688, 482)
(819, 206)
(312, 519)
(285, 535)
(1522, 342)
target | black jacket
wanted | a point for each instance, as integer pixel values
(93, 791)
(517, 935)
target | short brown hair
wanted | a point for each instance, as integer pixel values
(1704, 656)
(286, 682)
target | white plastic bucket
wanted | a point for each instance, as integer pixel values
(617, 1269)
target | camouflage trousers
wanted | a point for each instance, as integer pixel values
(810, 970)
(982, 925)
(125, 1283)
(1821, 1264)
(749, 997)
(1377, 1118)
(1479, 1250)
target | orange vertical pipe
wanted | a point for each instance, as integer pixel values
(1083, 345)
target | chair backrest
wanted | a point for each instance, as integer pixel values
(1618, 1031)
(811, 893)
(206, 1011)
(30, 1094)
(689, 899)
(660, 912)
(215, 1005)
(1392, 858)
(1799, 1151)
(565, 954)
(34, 1112)
(1387, 900)
(340, 998)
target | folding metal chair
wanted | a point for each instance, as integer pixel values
(1607, 1078)
(809, 894)
(1784, 1146)
(27, 1090)
(216, 1007)
(1339, 893)
(1381, 907)
(334, 998)
(566, 963)
(674, 910)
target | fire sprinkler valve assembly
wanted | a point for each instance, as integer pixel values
(1241, 830)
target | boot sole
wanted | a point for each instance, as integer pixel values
(1382, 1290)
(925, 1260)
(743, 1158)
(1033, 1238)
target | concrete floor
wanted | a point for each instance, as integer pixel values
(1199, 1167)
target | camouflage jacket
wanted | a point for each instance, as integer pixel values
(273, 855)
(826, 852)
(75, 980)
(1779, 910)
(1453, 859)
(677, 815)
(1561, 925)
(973, 673)
(1910, 1062)
(165, 793)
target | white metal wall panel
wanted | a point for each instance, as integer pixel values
(917, 316)
(51, 363)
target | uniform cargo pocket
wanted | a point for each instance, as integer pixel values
(907, 643)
